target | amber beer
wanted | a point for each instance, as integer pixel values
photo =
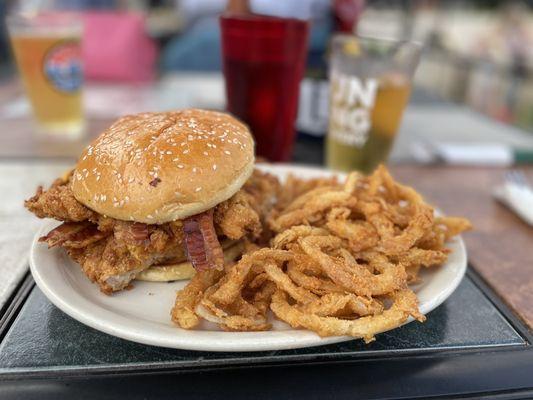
(365, 116)
(49, 62)
(370, 84)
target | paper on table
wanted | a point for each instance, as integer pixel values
(518, 198)
(475, 153)
(479, 153)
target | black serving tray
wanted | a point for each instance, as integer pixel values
(470, 345)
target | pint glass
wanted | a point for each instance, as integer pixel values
(48, 55)
(370, 83)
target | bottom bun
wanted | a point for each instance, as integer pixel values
(183, 270)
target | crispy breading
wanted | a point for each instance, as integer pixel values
(339, 264)
(58, 202)
(294, 187)
(111, 252)
(236, 217)
(74, 235)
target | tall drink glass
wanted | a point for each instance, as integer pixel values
(264, 59)
(370, 84)
(47, 50)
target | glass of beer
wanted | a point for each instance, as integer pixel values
(47, 50)
(370, 84)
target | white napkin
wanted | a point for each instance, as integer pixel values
(519, 198)
(457, 153)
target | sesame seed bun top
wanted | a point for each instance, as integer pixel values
(161, 167)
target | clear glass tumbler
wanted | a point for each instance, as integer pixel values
(370, 84)
(46, 43)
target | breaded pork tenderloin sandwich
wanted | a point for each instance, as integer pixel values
(157, 196)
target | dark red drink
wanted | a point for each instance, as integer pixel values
(264, 59)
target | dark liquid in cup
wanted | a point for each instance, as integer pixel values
(265, 96)
(264, 59)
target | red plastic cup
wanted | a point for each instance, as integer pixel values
(264, 59)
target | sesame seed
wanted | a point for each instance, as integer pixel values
(227, 152)
(206, 153)
(180, 166)
(214, 167)
(185, 151)
(197, 189)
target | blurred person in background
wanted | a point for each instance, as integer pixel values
(198, 48)
(515, 33)
(4, 42)
(509, 45)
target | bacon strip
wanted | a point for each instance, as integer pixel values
(201, 242)
(132, 233)
(73, 235)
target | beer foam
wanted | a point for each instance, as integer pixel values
(53, 25)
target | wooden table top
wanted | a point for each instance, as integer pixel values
(499, 247)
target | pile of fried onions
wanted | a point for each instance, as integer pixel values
(339, 262)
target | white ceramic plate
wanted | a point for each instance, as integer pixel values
(143, 314)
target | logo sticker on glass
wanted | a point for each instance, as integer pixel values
(63, 68)
(353, 101)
